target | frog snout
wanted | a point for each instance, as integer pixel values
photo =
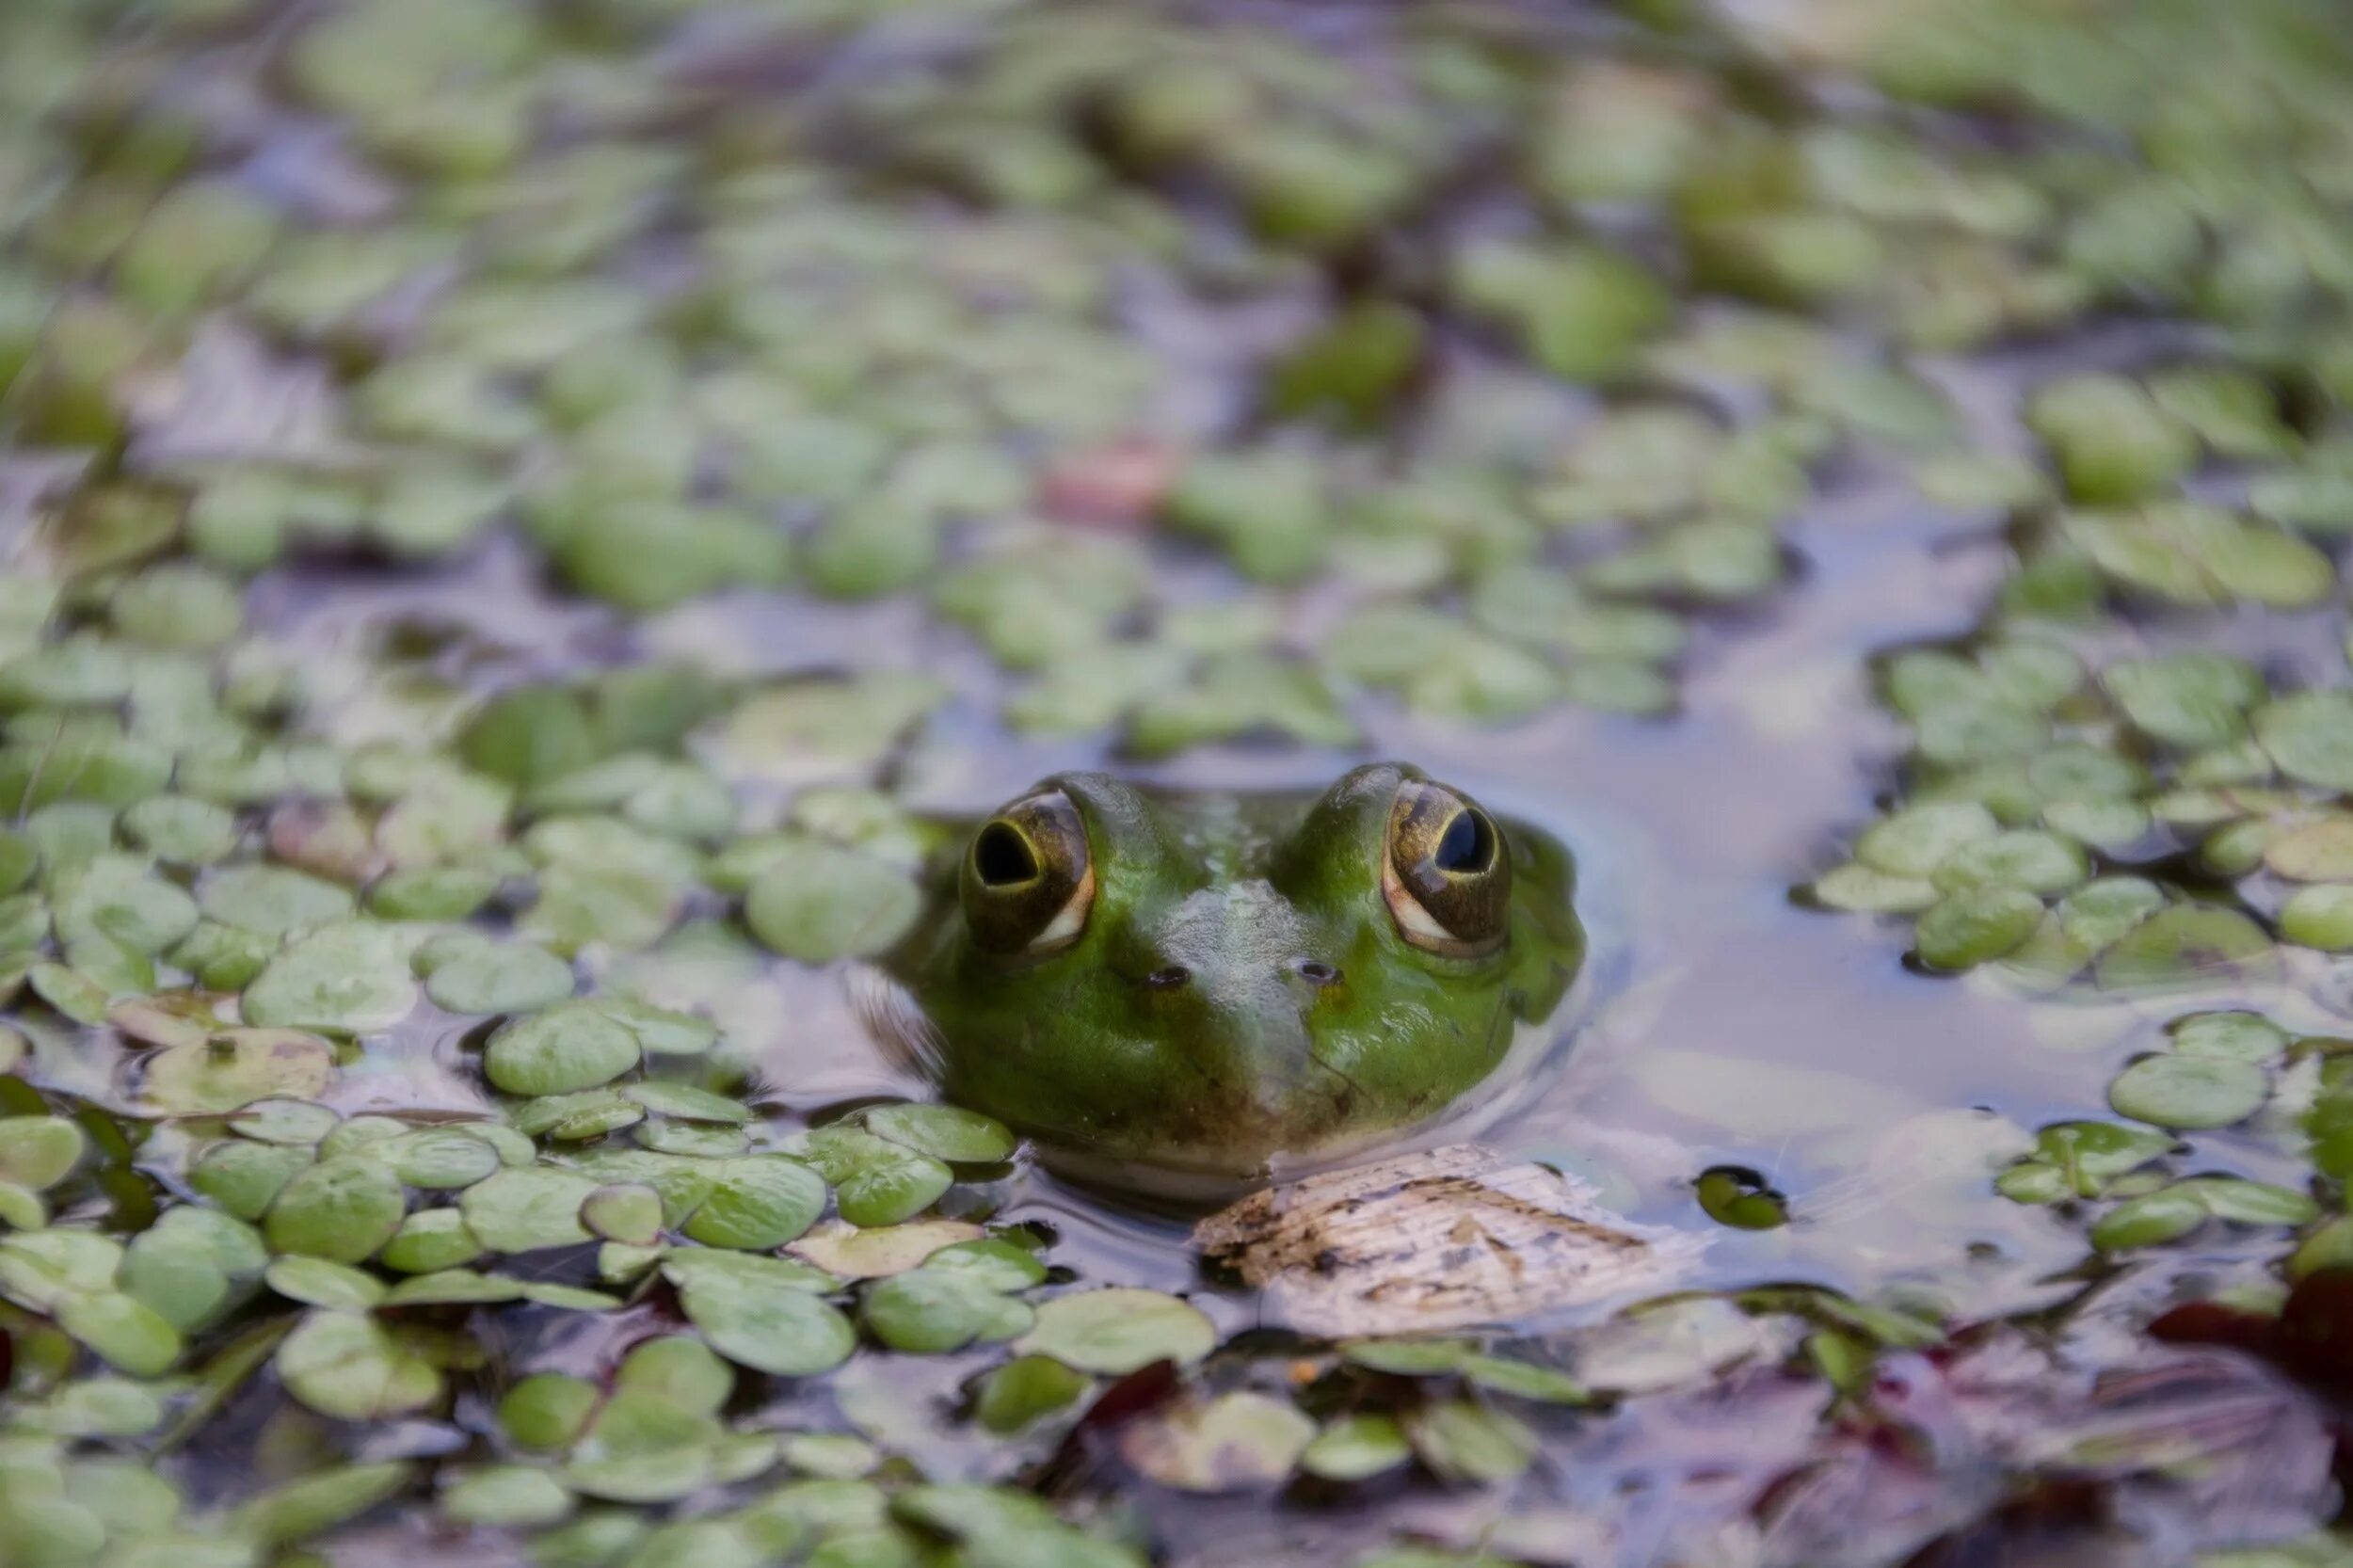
(1305, 983)
(1308, 974)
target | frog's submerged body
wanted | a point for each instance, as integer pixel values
(1207, 983)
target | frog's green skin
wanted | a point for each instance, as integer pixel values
(1259, 1051)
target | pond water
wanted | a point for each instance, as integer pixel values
(526, 523)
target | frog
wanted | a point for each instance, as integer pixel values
(1228, 984)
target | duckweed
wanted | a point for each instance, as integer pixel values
(567, 482)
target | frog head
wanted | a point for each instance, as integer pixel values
(1207, 982)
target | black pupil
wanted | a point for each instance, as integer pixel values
(1469, 844)
(1002, 857)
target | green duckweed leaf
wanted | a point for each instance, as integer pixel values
(76, 996)
(1000, 1525)
(2191, 698)
(1469, 1443)
(339, 1210)
(362, 1135)
(1736, 1197)
(832, 1456)
(433, 892)
(39, 1152)
(1863, 889)
(2112, 439)
(2239, 1037)
(348, 979)
(127, 1334)
(1524, 1380)
(457, 1287)
(686, 1102)
(506, 1496)
(624, 1211)
(942, 1131)
(803, 731)
(570, 1047)
(499, 976)
(2250, 1202)
(317, 1282)
(2038, 861)
(643, 1449)
(526, 1210)
(442, 1159)
(321, 1500)
(2082, 1158)
(2316, 852)
(1024, 1390)
(1356, 1448)
(430, 1241)
(1411, 1358)
(528, 735)
(662, 1032)
(272, 900)
(1967, 928)
(284, 1121)
(758, 1203)
(817, 903)
(926, 1311)
(110, 1407)
(1001, 1264)
(2320, 917)
(702, 1143)
(1230, 1443)
(244, 1178)
(1119, 1330)
(576, 1118)
(348, 1365)
(769, 1321)
(2149, 1221)
(193, 1266)
(39, 1269)
(2184, 945)
(21, 1208)
(548, 1411)
(681, 1370)
(1236, 696)
(1915, 841)
(2179, 1091)
(2310, 735)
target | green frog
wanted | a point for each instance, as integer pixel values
(1221, 984)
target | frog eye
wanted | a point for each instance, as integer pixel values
(1447, 875)
(1028, 880)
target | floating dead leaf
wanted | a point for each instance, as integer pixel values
(1117, 486)
(854, 1253)
(235, 1068)
(1433, 1241)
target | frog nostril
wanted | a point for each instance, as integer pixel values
(1317, 973)
(1168, 979)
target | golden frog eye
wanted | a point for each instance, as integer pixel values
(1027, 879)
(1448, 874)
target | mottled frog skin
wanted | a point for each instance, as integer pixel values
(1221, 982)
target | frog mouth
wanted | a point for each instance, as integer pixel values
(1264, 1097)
(1272, 1105)
(1267, 1068)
